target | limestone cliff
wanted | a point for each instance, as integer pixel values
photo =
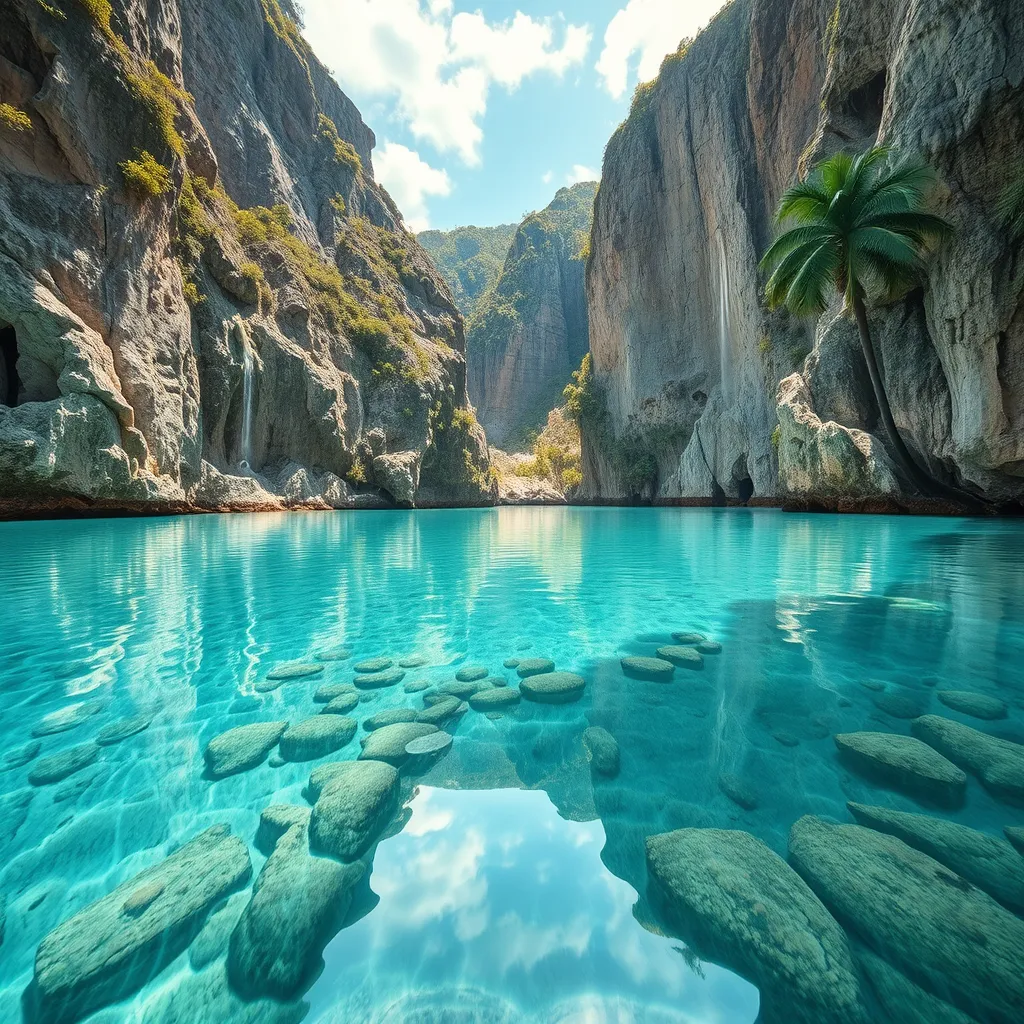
(205, 299)
(530, 330)
(696, 390)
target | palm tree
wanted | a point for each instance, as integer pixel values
(1011, 206)
(858, 228)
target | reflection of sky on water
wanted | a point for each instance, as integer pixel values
(494, 908)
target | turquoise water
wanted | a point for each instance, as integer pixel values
(513, 887)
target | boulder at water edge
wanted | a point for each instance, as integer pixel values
(388, 744)
(114, 946)
(353, 809)
(941, 931)
(989, 862)
(603, 750)
(316, 737)
(553, 688)
(242, 748)
(739, 904)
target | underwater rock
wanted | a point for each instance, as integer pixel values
(534, 667)
(373, 665)
(212, 941)
(342, 704)
(268, 685)
(689, 639)
(242, 748)
(75, 786)
(684, 657)
(872, 684)
(977, 705)
(902, 703)
(603, 750)
(413, 661)
(510, 663)
(298, 904)
(433, 743)
(59, 766)
(331, 691)
(390, 716)
(738, 790)
(378, 680)
(1016, 836)
(388, 744)
(941, 931)
(787, 739)
(67, 718)
(496, 697)
(416, 686)
(904, 763)
(709, 647)
(275, 820)
(353, 809)
(471, 673)
(904, 1001)
(999, 764)
(122, 729)
(332, 654)
(13, 812)
(655, 669)
(739, 904)
(553, 687)
(462, 689)
(319, 777)
(317, 737)
(990, 863)
(114, 946)
(243, 705)
(443, 709)
(294, 670)
(18, 757)
(276, 760)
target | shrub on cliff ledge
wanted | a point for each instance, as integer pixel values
(146, 177)
(14, 120)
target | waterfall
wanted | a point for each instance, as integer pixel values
(724, 336)
(247, 368)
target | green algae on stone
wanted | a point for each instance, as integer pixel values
(379, 680)
(683, 657)
(904, 763)
(388, 744)
(110, 949)
(534, 667)
(327, 692)
(342, 704)
(67, 718)
(603, 750)
(294, 670)
(372, 665)
(553, 688)
(353, 809)
(59, 766)
(242, 748)
(390, 716)
(496, 697)
(999, 764)
(653, 669)
(18, 757)
(442, 710)
(471, 673)
(990, 863)
(124, 728)
(737, 903)
(977, 705)
(926, 920)
(275, 820)
(316, 737)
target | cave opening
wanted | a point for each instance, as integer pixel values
(866, 103)
(10, 382)
(741, 481)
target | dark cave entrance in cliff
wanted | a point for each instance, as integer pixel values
(741, 480)
(10, 382)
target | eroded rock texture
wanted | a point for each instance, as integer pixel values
(205, 299)
(693, 374)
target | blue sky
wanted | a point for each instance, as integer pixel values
(484, 108)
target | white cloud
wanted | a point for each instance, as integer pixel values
(437, 67)
(647, 30)
(409, 179)
(547, 176)
(580, 173)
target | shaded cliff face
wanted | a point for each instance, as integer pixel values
(689, 367)
(469, 259)
(198, 272)
(530, 330)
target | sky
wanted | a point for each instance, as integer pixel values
(483, 109)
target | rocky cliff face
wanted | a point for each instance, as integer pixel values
(697, 391)
(205, 300)
(530, 330)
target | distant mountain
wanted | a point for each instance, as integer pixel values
(469, 259)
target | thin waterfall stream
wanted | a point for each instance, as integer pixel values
(247, 372)
(724, 335)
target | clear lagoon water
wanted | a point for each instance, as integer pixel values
(513, 887)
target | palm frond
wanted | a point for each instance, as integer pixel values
(888, 245)
(817, 275)
(776, 290)
(805, 201)
(1010, 206)
(834, 172)
(901, 188)
(921, 228)
(864, 173)
(790, 240)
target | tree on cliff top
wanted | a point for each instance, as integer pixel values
(858, 226)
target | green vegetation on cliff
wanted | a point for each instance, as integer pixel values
(469, 259)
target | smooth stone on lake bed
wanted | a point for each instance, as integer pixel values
(327, 692)
(737, 903)
(316, 737)
(656, 669)
(510, 663)
(738, 790)
(900, 703)
(388, 744)
(684, 657)
(603, 750)
(443, 709)
(67, 718)
(1015, 834)
(924, 919)
(392, 716)
(378, 680)
(416, 686)
(689, 639)
(462, 689)
(114, 946)
(242, 748)
(294, 670)
(709, 647)
(275, 820)
(432, 743)
(534, 667)
(18, 757)
(373, 665)
(341, 705)
(999, 764)
(977, 705)
(333, 654)
(496, 697)
(413, 661)
(904, 763)
(353, 809)
(122, 729)
(59, 766)
(553, 688)
(471, 673)
(244, 705)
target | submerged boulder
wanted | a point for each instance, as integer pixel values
(977, 705)
(353, 809)
(655, 669)
(388, 744)
(379, 680)
(373, 665)
(496, 697)
(443, 709)
(18, 757)
(904, 763)
(1016, 836)
(114, 946)
(603, 750)
(460, 688)
(327, 692)
(242, 748)
(122, 729)
(689, 639)
(739, 904)
(471, 673)
(294, 670)
(390, 716)
(59, 766)
(316, 737)
(534, 667)
(67, 718)
(738, 790)
(999, 764)
(553, 688)
(683, 657)
(275, 820)
(342, 704)
(904, 1001)
(944, 933)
